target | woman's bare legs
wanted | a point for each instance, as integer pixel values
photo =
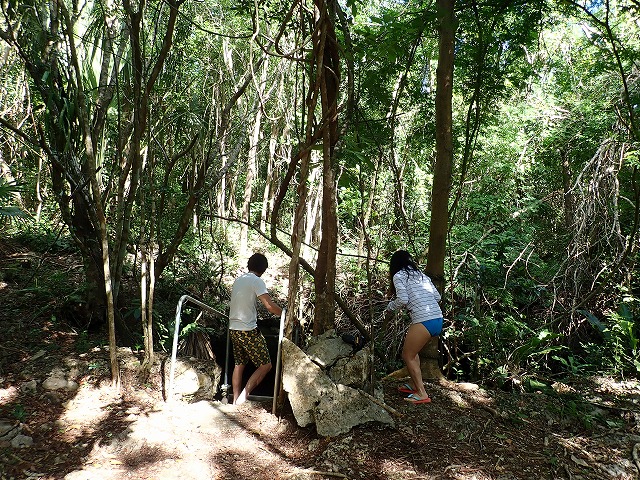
(417, 337)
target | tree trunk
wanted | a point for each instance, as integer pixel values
(443, 166)
(267, 195)
(328, 70)
(313, 212)
(254, 137)
(566, 189)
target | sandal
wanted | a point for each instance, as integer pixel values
(406, 388)
(415, 399)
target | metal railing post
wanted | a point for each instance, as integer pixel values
(276, 386)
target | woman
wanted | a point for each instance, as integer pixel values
(415, 292)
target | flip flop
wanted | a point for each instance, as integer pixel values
(415, 399)
(406, 388)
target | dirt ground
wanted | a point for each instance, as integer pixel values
(585, 428)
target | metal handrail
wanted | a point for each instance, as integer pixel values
(174, 350)
(276, 386)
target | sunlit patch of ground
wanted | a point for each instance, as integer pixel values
(8, 395)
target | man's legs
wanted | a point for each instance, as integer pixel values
(254, 380)
(248, 346)
(236, 381)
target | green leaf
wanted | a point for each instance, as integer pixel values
(533, 346)
(593, 320)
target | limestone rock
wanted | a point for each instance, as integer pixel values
(353, 371)
(71, 386)
(315, 398)
(8, 429)
(29, 387)
(200, 378)
(58, 381)
(327, 348)
(53, 397)
(54, 382)
(21, 441)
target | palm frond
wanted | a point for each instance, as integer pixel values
(11, 212)
(8, 191)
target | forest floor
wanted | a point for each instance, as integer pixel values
(582, 428)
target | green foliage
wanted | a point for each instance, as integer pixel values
(537, 346)
(194, 327)
(44, 237)
(7, 211)
(533, 88)
(619, 348)
(572, 364)
(19, 412)
(82, 344)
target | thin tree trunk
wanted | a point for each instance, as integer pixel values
(566, 189)
(267, 197)
(313, 212)
(39, 189)
(367, 208)
(252, 159)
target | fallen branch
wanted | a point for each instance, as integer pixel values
(492, 411)
(611, 407)
(373, 399)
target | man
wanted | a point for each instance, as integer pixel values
(248, 342)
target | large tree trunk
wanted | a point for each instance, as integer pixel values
(443, 167)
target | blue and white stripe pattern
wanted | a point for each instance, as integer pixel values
(416, 293)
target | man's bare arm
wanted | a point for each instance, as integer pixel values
(270, 305)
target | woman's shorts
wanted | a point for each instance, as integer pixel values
(249, 345)
(434, 326)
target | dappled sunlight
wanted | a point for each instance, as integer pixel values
(466, 472)
(8, 395)
(202, 440)
(395, 468)
(466, 395)
(90, 405)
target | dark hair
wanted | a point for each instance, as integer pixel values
(400, 260)
(257, 263)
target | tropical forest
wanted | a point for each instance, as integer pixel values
(150, 148)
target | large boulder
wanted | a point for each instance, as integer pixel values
(193, 378)
(315, 398)
(326, 349)
(353, 371)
